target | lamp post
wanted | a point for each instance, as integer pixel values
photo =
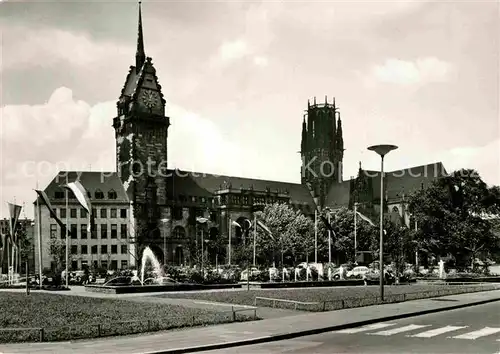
(164, 242)
(202, 220)
(329, 237)
(382, 150)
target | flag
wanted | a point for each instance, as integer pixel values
(14, 211)
(315, 199)
(82, 197)
(365, 218)
(327, 224)
(265, 228)
(45, 199)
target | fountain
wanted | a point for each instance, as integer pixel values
(147, 254)
(159, 282)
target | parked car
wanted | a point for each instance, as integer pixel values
(358, 271)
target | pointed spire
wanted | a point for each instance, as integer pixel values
(360, 165)
(315, 100)
(140, 55)
(308, 103)
(326, 99)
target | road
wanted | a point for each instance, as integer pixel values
(474, 330)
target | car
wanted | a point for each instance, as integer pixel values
(358, 271)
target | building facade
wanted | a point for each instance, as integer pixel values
(162, 205)
(109, 245)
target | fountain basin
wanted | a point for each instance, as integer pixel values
(131, 289)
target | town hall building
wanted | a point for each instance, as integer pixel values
(161, 208)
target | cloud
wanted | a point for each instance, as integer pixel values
(260, 61)
(233, 50)
(420, 71)
(51, 46)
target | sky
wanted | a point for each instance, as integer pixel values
(237, 76)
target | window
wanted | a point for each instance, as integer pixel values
(245, 200)
(93, 234)
(114, 249)
(89, 195)
(113, 213)
(63, 232)
(104, 264)
(72, 213)
(83, 231)
(99, 194)
(104, 214)
(84, 249)
(83, 213)
(123, 249)
(104, 231)
(179, 232)
(123, 213)
(193, 199)
(74, 231)
(114, 265)
(177, 213)
(74, 249)
(124, 264)
(112, 194)
(93, 249)
(62, 213)
(59, 195)
(104, 249)
(114, 231)
(94, 212)
(53, 231)
(203, 200)
(123, 231)
(74, 265)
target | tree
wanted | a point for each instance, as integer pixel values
(291, 234)
(57, 250)
(450, 215)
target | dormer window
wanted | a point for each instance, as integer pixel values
(99, 194)
(89, 194)
(112, 195)
(59, 194)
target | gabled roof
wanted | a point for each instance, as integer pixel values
(92, 182)
(406, 181)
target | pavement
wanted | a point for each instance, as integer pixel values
(470, 330)
(256, 332)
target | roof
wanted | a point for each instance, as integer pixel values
(406, 181)
(92, 182)
(339, 195)
(205, 184)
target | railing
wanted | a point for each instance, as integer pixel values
(331, 305)
(81, 331)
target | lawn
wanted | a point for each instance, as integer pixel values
(66, 317)
(316, 295)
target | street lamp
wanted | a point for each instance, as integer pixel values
(329, 237)
(202, 220)
(164, 242)
(382, 150)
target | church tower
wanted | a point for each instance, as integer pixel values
(322, 148)
(141, 129)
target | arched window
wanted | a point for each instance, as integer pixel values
(179, 232)
(112, 194)
(99, 194)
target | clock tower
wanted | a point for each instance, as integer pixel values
(141, 130)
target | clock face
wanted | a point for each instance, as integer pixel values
(151, 99)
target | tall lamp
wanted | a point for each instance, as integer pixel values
(202, 220)
(382, 150)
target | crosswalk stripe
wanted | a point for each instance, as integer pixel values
(390, 332)
(371, 327)
(436, 332)
(486, 331)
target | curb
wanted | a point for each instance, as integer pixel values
(309, 332)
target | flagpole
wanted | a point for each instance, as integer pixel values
(329, 240)
(39, 229)
(355, 231)
(229, 253)
(67, 232)
(315, 236)
(254, 237)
